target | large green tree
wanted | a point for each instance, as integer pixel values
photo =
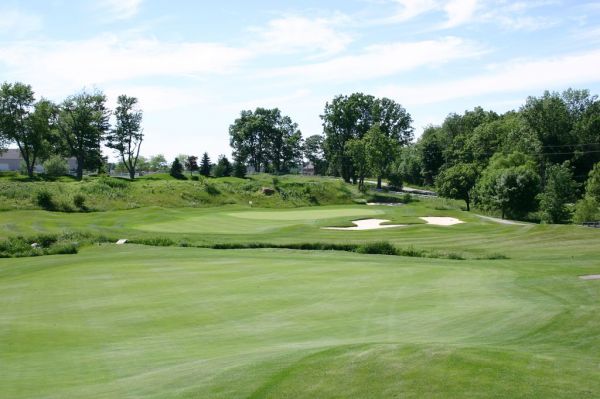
(351, 117)
(127, 136)
(509, 184)
(356, 149)
(314, 152)
(26, 123)
(560, 189)
(381, 151)
(457, 182)
(266, 139)
(83, 123)
(431, 147)
(158, 163)
(223, 168)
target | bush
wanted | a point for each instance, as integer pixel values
(379, 247)
(56, 166)
(587, 210)
(114, 182)
(45, 201)
(79, 201)
(396, 180)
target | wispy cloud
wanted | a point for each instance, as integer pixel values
(121, 9)
(409, 9)
(381, 60)
(516, 76)
(456, 12)
(17, 22)
(296, 33)
(518, 15)
(67, 65)
(459, 12)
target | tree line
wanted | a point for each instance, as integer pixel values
(540, 158)
(77, 127)
(536, 161)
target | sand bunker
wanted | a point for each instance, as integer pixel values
(384, 204)
(590, 277)
(367, 224)
(442, 221)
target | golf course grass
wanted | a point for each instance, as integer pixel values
(134, 321)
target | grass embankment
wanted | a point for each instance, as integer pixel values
(108, 193)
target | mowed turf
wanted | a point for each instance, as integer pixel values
(139, 321)
(148, 322)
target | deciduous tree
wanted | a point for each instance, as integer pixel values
(457, 182)
(83, 122)
(127, 136)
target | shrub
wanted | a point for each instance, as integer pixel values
(155, 242)
(587, 210)
(396, 180)
(79, 201)
(113, 182)
(45, 201)
(56, 166)
(379, 247)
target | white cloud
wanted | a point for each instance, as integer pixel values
(17, 22)
(409, 9)
(156, 98)
(517, 76)
(121, 9)
(61, 66)
(516, 15)
(297, 33)
(381, 60)
(459, 12)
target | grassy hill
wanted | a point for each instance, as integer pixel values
(108, 193)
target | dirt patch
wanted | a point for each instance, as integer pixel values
(367, 224)
(590, 277)
(442, 221)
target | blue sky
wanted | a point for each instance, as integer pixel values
(195, 64)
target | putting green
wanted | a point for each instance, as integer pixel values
(255, 221)
(305, 214)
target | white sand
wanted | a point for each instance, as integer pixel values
(442, 221)
(590, 277)
(367, 224)
(384, 204)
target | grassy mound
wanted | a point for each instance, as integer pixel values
(108, 193)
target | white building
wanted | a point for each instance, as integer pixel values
(11, 160)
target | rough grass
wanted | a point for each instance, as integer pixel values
(109, 193)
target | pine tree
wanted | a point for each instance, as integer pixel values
(176, 169)
(205, 165)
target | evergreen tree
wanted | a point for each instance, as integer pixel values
(205, 165)
(176, 169)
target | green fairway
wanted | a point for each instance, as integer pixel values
(178, 322)
(141, 321)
